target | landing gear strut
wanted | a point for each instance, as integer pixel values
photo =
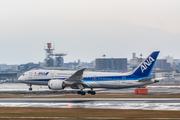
(30, 89)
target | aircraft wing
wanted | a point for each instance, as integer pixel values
(75, 80)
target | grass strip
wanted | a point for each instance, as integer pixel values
(80, 112)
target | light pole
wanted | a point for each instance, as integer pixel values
(104, 62)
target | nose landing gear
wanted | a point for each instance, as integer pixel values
(30, 89)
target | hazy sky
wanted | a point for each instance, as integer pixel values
(87, 29)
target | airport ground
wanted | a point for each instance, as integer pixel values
(36, 113)
(21, 91)
(98, 95)
(83, 114)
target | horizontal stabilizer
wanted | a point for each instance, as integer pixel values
(144, 80)
(157, 79)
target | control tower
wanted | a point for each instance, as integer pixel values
(59, 61)
(49, 61)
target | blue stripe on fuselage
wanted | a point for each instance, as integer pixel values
(105, 78)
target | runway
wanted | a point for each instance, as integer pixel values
(19, 88)
(104, 103)
(107, 103)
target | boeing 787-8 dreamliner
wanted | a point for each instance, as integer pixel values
(58, 80)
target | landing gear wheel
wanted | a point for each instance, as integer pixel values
(93, 92)
(78, 92)
(89, 92)
(83, 93)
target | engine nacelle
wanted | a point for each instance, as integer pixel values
(56, 84)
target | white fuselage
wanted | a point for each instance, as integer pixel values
(92, 79)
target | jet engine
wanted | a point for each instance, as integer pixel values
(56, 84)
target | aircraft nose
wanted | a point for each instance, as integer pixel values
(20, 79)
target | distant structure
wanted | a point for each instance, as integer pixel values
(162, 64)
(28, 66)
(171, 61)
(111, 64)
(71, 65)
(49, 61)
(4, 67)
(79, 65)
(135, 61)
(59, 61)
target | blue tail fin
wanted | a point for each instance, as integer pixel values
(145, 68)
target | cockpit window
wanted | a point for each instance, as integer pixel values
(23, 74)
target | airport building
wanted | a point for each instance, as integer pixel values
(162, 64)
(72, 65)
(108, 64)
(10, 76)
(135, 61)
(4, 67)
(79, 65)
(28, 66)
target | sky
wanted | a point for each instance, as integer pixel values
(88, 29)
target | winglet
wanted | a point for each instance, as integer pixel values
(145, 68)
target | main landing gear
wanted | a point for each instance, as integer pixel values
(91, 92)
(81, 92)
(30, 89)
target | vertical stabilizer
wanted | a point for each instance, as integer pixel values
(145, 68)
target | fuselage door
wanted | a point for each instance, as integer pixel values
(30, 75)
(52, 75)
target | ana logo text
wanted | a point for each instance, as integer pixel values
(43, 73)
(146, 63)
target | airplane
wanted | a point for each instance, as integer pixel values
(81, 79)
